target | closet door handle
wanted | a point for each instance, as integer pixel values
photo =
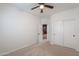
(73, 35)
(38, 33)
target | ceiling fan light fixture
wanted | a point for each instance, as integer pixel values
(41, 6)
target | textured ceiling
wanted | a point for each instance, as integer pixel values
(58, 7)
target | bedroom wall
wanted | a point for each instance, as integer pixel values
(60, 28)
(17, 29)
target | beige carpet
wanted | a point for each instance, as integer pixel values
(45, 49)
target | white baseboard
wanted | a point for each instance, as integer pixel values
(2, 54)
(77, 50)
(51, 43)
(11, 51)
(65, 46)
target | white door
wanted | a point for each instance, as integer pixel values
(71, 34)
(58, 32)
(40, 34)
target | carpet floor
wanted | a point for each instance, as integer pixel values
(45, 49)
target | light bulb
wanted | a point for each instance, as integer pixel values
(41, 6)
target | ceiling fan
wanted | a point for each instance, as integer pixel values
(41, 6)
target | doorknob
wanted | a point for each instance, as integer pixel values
(38, 33)
(53, 33)
(73, 35)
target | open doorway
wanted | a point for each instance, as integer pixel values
(44, 31)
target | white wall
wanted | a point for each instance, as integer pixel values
(68, 15)
(17, 28)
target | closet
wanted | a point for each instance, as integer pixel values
(66, 33)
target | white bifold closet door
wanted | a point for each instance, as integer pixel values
(71, 33)
(66, 33)
(58, 32)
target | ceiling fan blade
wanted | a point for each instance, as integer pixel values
(41, 3)
(34, 7)
(41, 10)
(48, 6)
